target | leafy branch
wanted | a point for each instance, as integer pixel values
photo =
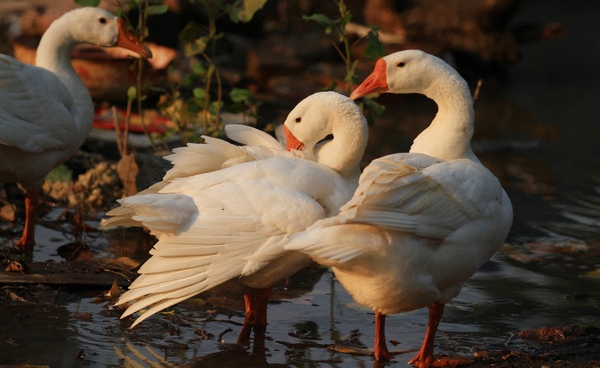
(373, 51)
(199, 108)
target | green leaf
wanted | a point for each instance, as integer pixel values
(60, 173)
(132, 4)
(322, 19)
(197, 46)
(88, 2)
(214, 107)
(157, 9)
(374, 110)
(240, 95)
(332, 86)
(187, 80)
(345, 19)
(244, 10)
(375, 48)
(190, 32)
(199, 93)
(193, 106)
(131, 93)
(198, 68)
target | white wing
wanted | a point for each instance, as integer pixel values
(195, 159)
(409, 193)
(215, 154)
(250, 136)
(230, 223)
(36, 109)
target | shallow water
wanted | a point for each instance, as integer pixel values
(537, 131)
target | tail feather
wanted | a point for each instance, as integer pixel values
(165, 294)
(164, 289)
(154, 309)
(199, 158)
(160, 213)
(121, 216)
(157, 264)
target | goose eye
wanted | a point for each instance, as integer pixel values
(401, 64)
(298, 120)
(102, 20)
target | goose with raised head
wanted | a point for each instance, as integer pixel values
(46, 111)
(420, 223)
(231, 223)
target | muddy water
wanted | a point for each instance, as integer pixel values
(537, 130)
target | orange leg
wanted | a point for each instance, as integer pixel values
(28, 238)
(256, 316)
(425, 356)
(381, 351)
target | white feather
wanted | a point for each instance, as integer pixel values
(225, 211)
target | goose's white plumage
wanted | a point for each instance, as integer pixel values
(420, 223)
(46, 111)
(215, 154)
(230, 222)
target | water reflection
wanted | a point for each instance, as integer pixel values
(580, 215)
(506, 296)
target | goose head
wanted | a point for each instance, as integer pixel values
(91, 26)
(323, 114)
(410, 71)
(100, 27)
(414, 71)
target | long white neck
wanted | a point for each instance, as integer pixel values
(54, 55)
(344, 152)
(449, 135)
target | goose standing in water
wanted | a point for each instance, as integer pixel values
(230, 222)
(419, 223)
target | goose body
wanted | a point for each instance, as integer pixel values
(46, 111)
(230, 222)
(420, 223)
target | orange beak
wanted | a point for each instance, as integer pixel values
(375, 82)
(128, 41)
(291, 142)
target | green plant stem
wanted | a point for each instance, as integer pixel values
(346, 58)
(212, 33)
(142, 14)
(213, 52)
(348, 62)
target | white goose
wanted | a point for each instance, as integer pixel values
(230, 223)
(46, 111)
(420, 223)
